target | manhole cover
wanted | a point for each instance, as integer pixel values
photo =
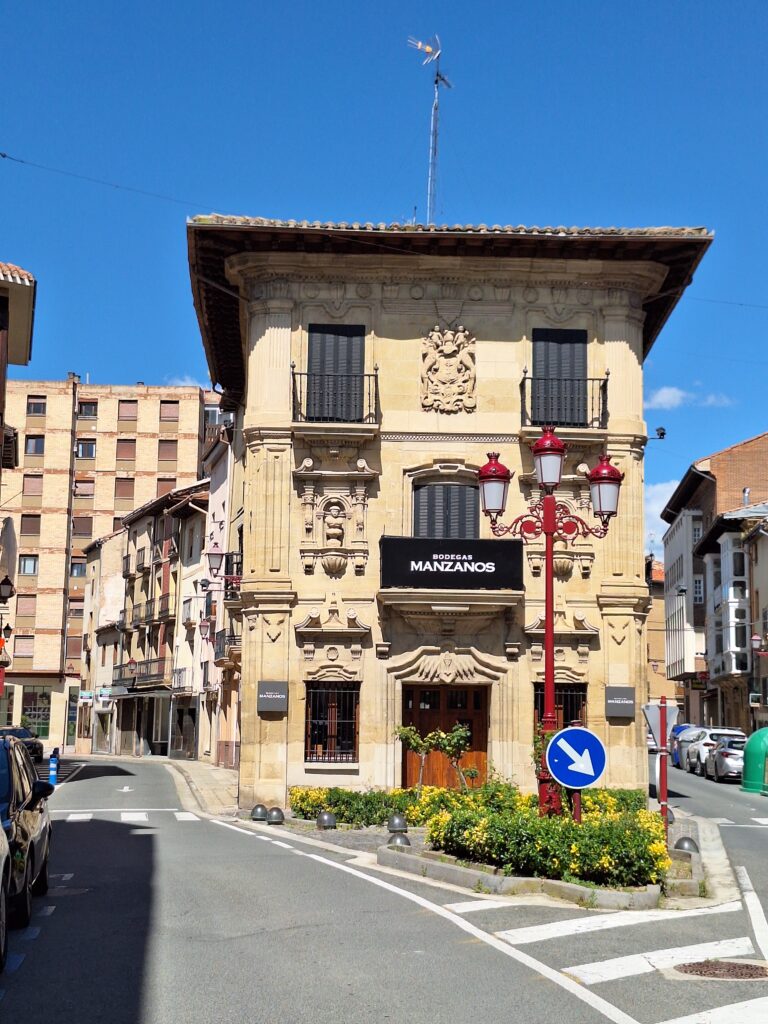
(730, 969)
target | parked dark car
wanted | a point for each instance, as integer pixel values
(5, 881)
(29, 739)
(27, 827)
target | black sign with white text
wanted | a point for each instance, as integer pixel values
(421, 563)
(271, 696)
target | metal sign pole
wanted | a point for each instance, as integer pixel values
(662, 794)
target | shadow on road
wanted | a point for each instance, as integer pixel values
(99, 771)
(88, 962)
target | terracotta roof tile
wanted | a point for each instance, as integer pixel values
(477, 229)
(657, 571)
(10, 272)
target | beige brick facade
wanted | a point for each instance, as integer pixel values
(88, 454)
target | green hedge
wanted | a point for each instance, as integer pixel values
(616, 849)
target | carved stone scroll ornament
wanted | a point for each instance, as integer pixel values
(448, 375)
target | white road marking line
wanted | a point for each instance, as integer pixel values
(645, 963)
(608, 1010)
(133, 816)
(733, 825)
(285, 846)
(752, 1011)
(64, 878)
(77, 816)
(186, 816)
(761, 821)
(105, 810)
(721, 821)
(45, 911)
(601, 922)
(29, 933)
(756, 913)
(470, 906)
(14, 962)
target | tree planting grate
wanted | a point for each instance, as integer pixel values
(730, 969)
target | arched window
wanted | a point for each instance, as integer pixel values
(447, 510)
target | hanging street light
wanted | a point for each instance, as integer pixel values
(555, 521)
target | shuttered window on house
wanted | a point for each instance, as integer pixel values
(560, 385)
(335, 366)
(450, 511)
(126, 449)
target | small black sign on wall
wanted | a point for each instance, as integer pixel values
(271, 696)
(619, 702)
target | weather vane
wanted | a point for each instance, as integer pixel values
(432, 53)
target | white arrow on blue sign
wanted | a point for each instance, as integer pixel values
(576, 757)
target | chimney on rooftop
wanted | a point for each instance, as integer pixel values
(745, 496)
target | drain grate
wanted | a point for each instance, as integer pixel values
(731, 969)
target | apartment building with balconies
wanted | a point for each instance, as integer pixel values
(702, 620)
(369, 370)
(89, 454)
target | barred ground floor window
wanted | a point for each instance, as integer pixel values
(570, 703)
(332, 722)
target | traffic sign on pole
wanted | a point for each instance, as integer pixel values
(576, 757)
(652, 714)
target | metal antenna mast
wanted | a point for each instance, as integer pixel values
(432, 51)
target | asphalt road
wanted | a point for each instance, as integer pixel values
(158, 915)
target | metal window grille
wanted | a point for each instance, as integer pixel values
(332, 722)
(570, 703)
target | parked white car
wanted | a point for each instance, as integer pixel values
(699, 748)
(680, 743)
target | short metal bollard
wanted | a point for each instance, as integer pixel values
(399, 839)
(687, 844)
(275, 816)
(397, 823)
(259, 813)
(326, 820)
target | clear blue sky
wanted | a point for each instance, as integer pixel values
(589, 113)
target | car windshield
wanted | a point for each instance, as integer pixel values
(734, 744)
(723, 736)
(22, 734)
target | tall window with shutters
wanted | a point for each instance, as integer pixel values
(559, 396)
(446, 510)
(335, 371)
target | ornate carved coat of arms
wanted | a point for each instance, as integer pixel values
(448, 374)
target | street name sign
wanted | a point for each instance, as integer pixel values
(576, 757)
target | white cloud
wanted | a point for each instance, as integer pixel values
(668, 398)
(716, 401)
(656, 497)
(187, 381)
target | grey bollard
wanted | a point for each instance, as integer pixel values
(259, 813)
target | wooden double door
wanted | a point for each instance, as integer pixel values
(441, 707)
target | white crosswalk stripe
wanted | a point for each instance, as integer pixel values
(602, 922)
(186, 816)
(134, 816)
(646, 963)
(85, 816)
(751, 1011)
(470, 906)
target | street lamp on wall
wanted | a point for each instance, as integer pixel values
(7, 590)
(215, 557)
(204, 628)
(555, 521)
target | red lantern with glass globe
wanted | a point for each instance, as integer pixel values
(494, 480)
(548, 458)
(604, 486)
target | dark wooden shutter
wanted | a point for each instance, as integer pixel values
(450, 511)
(335, 366)
(559, 377)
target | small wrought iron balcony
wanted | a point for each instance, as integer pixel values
(128, 571)
(335, 397)
(564, 402)
(233, 575)
(182, 680)
(154, 670)
(141, 560)
(166, 607)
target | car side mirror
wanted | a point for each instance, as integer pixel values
(41, 791)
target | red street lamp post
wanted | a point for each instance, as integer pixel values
(555, 521)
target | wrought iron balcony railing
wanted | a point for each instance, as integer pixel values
(182, 680)
(154, 670)
(564, 401)
(127, 570)
(141, 560)
(335, 397)
(166, 606)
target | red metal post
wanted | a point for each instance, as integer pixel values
(662, 794)
(549, 795)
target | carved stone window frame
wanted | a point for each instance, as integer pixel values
(438, 471)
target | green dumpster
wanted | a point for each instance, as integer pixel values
(755, 776)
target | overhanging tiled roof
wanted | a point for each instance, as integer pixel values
(215, 237)
(10, 272)
(212, 239)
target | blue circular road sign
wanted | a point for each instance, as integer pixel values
(576, 757)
